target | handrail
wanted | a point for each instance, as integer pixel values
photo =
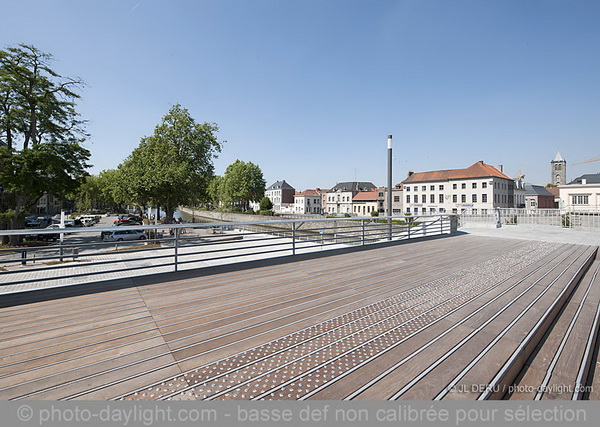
(42, 266)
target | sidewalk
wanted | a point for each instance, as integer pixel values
(544, 233)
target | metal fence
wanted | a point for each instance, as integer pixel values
(546, 217)
(83, 257)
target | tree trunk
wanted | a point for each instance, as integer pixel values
(16, 223)
(169, 212)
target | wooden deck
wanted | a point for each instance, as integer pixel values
(459, 317)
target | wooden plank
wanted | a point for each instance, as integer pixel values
(198, 315)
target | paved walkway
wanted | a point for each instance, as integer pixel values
(30, 277)
(537, 233)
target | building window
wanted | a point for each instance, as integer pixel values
(432, 210)
(416, 210)
(442, 210)
(474, 185)
(454, 198)
(396, 199)
(474, 211)
(432, 198)
(454, 186)
(441, 188)
(408, 198)
(484, 212)
(484, 185)
(432, 187)
(463, 185)
(463, 198)
(484, 198)
(454, 210)
(407, 188)
(441, 198)
(474, 198)
(424, 188)
(580, 200)
(423, 198)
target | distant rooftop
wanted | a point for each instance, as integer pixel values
(477, 170)
(365, 196)
(280, 185)
(354, 186)
(309, 193)
(531, 189)
(590, 178)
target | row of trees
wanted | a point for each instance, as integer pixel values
(241, 184)
(41, 151)
(171, 168)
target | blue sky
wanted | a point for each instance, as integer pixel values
(310, 89)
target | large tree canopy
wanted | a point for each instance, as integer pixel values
(242, 183)
(174, 166)
(40, 132)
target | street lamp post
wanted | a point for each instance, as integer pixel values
(389, 189)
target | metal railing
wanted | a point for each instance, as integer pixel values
(83, 257)
(546, 217)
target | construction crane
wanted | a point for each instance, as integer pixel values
(587, 161)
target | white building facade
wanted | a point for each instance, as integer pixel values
(366, 202)
(478, 189)
(581, 195)
(308, 202)
(339, 198)
(281, 195)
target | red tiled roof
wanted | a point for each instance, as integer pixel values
(365, 196)
(310, 193)
(554, 190)
(477, 170)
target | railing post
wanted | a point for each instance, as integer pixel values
(176, 234)
(362, 221)
(24, 258)
(441, 225)
(409, 223)
(293, 238)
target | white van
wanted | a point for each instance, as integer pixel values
(89, 220)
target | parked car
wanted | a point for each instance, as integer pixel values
(33, 223)
(128, 219)
(123, 235)
(89, 220)
(46, 237)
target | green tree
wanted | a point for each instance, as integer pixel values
(266, 204)
(89, 194)
(114, 190)
(173, 166)
(214, 190)
(99, 192)
(40, 132)
(242, 183)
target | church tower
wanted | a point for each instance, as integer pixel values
(559, 170)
